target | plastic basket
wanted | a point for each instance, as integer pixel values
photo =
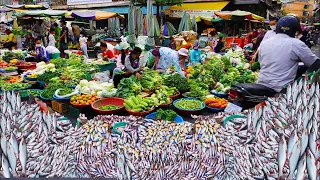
(107, 67)
(60, 107)
(54, 56)
(24, 94)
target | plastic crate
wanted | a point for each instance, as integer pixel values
(54, 56)
(74, 112)
(107, 67)
(60, 107)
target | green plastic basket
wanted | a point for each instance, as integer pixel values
(107, 67)
(54, 56)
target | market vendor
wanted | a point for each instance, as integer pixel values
(132, 64)
(220, 47)
(124, 48)
(107, 54)
(11, 40)
(165, 58)
(279, 57)
(195, 54)
(29, 42)
(41, 53)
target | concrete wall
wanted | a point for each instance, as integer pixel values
(300, 8)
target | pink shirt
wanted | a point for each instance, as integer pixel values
(119, 64)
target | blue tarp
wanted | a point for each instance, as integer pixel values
(125, 9)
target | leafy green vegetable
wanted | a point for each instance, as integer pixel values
(45, 77)
(129, 87)
(12, 86)
(151, 80)
(49, 91)
(167, 115)
(198, 89)
(65, 91)
(177, 81)
(255, 66)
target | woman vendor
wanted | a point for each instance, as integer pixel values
(124, 48)
(41, 53)
(131, 66)
(165, 58)
(195, 54)
(106, 53)
(11, 40)
(29, 42)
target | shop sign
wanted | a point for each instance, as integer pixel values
(79, 2)
(204, 13)
(246, 1)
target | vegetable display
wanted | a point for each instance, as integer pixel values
(167, 115)
(10, 68)
(50, 90)
(177, 81)
(83, 99)
(35, 93)
(109, 107)
(129, 87)
(216, 103)
(65, 92)
(189, 104)
(161, 97)
(139, 104)
(94, 87)
(151, 80)
(13, 86)
(197, 89)
(47, 76)
(169, 91)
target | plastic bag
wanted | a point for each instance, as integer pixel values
(102, 76)
(52, 50)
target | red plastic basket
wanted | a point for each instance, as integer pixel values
(174, 97)
(166, 105)
(108, 101)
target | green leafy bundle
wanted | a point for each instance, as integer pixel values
(129, 87)
(151, 80)
(167, 115)
(177, 81)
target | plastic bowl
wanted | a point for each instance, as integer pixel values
(220, 95)
(174, 97)
(140, 113)
(187, 111)
(108, 101)
(29, 79)
(117, 125)
(61, 99)
(42, 83)
(177, 119)
(166, 105)
(215, 110)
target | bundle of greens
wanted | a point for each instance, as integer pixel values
(151, 80)
(198, 89)
(129, 87)
(177, 81)
(255, 66)
(167, 115)
(49, 91)
(45, 77)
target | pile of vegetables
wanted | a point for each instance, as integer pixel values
(46, 77)
(10, 68)
(93, 87)
(42, 68)
(161, 97)
(83, 99)
(65, 92)
(169, 91)
(12, 86)
(189, 104)
(139, 104)
(50, 90)
(151, 80)
(216, 102)
(177, 81)
(129, 87)
(197, 89)
(167, 115)
(33, 92)
(3, 64)
(10, 79)
(109, 107)
(14, 54)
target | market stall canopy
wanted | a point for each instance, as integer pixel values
(205, 10)
(227, 15)
(95, 15)
(42, 13)
(4, 10)
(27, 6)
(125, 9)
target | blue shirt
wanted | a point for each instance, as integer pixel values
(195, 56)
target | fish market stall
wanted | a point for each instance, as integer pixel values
(277, 139)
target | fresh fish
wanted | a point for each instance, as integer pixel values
(301, 167)
(304, 141)
(292, 141)
(311, 166)
(23, 154)
(294, 158)
(12, 159)
(5, 167)
(282, 154)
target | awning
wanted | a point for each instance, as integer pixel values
(206, 9)
(125, 9)
(33, 6)
(94, 15)
(4, 10)
(42, 13)
(248, 15)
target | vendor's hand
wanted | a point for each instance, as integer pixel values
(138, 76)
(254, 57)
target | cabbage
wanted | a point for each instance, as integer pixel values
(50, 66)
(109, 93)
(86, 90)
(83, 83)
(99, 94)
(107, 85)
(40, 64)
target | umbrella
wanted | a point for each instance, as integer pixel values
(131, 37)
(194, 24)
(94, 15)
(185, 23)
(236, 14)
(139, 22)
(150, 21)
(4, 10)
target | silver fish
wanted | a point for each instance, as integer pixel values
(294, 158)
(301, 167)
(23, 154)
(4, 144)
(5, 167)
(282, 154)
(311, 166)
(304, 141)
(12, 159)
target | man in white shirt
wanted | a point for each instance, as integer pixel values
(279, 56)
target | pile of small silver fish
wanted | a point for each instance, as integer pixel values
(277, 140)
(293, 119)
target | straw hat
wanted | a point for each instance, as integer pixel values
(183, 52)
